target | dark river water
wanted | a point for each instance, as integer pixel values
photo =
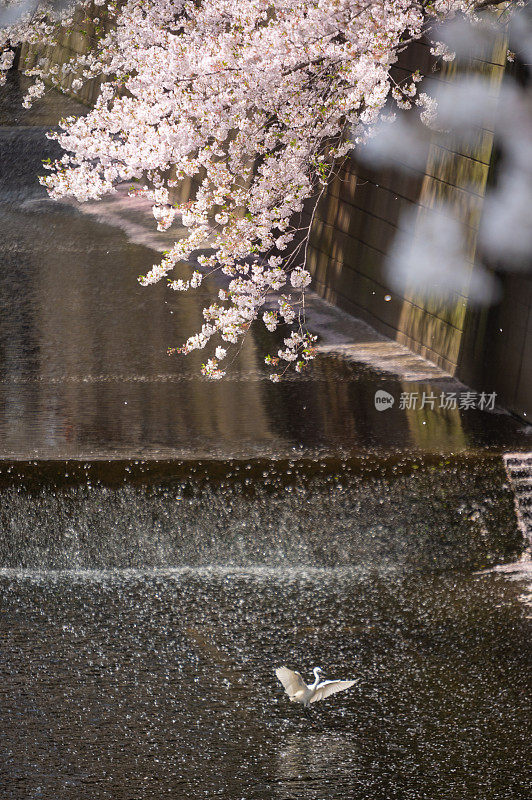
(135, 684)
(165, 543)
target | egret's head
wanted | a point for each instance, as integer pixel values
(317, 670)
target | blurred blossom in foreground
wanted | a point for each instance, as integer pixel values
(402, 140)
(429, 254)
(506, 228)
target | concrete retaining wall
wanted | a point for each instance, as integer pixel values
(351, 237)
(71, 43)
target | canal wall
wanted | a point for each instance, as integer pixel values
(73, 42)
(356, 222)
(355, 225)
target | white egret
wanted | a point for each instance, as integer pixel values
(298, 691)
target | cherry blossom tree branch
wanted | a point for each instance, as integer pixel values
(256, 101)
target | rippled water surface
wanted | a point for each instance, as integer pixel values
(141, 622)
(136, 684)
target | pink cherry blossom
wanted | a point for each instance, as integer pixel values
(258, 101)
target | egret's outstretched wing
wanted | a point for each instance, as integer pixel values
(330, 687)
(292, 681)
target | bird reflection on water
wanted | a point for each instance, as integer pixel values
(309, 759)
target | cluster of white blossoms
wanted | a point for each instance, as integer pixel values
(258, 101)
